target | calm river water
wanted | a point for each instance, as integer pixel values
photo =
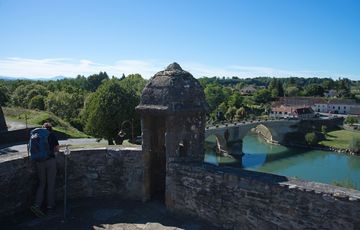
(315, 165)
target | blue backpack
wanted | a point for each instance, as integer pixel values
(38, 144)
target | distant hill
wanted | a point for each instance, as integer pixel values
(33, 78)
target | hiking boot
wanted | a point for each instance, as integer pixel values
(37, 211)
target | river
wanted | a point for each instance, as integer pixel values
(314, 165)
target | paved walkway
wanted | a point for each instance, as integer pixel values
(107, 213)
(22, 148)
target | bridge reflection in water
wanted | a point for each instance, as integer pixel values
(315, 165)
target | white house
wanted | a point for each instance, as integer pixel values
(336, 106)
(318, 104)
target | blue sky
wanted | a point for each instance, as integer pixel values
(43, 38)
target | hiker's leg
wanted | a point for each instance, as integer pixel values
(41, 172)
(51, 178)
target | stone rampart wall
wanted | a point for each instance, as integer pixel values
(252, 200)
(91, 173)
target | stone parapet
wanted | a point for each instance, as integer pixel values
(91, 173)
(241, 199)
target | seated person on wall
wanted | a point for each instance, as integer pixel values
(43, 145)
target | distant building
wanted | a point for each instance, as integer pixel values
(336, 106)
(248, 90)
(304, 113)
(317, 104)
(285, 111)
(355, 111)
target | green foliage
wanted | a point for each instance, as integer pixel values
(276, 88)
(351, 120)
(38, 118)
(235, 100)
(24, 93)
(328, 84)
(230, 113)
(314, 90)
(134, 82)
(262, 96)
(324, 129)
(214, 95)
(223, 107)
(240, 114)
(311, 138)
(292, 91)
(4, 95)
(107, 108)
(343, 87)
(64, 105)
(95, 80)
(37, 102)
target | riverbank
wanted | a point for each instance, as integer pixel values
(324, 148)
(344, 141)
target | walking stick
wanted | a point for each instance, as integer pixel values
(66, 153)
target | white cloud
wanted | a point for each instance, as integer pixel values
(44, 68)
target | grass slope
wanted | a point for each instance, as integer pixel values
(340, 138)
(37, 118)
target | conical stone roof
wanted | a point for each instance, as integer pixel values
(172, 90)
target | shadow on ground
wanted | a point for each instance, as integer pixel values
(107, 213)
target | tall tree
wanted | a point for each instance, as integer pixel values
(107, 108)
(133, 82)
(4, 95)
(95, 80)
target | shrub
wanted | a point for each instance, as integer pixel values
(311, 138)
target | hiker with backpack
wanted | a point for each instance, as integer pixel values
(43, 145)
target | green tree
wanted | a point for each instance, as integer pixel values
(4, 95)
(65, 105)
(328, 84)
(351, 120)
(235, 100)
(240, 114)
(24, 93)
(292, 91)
(214, 95)
(230, 113)
(262, 96)
(37, 102)
(134, 82)
(314, 90)
(95, 80)
(311, 138)
(107, 108)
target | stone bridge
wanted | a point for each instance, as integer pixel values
(273, 131)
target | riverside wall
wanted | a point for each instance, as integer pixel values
(91, 173)
(251, 200)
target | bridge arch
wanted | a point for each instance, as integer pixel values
(264, 131)
(219, 142)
